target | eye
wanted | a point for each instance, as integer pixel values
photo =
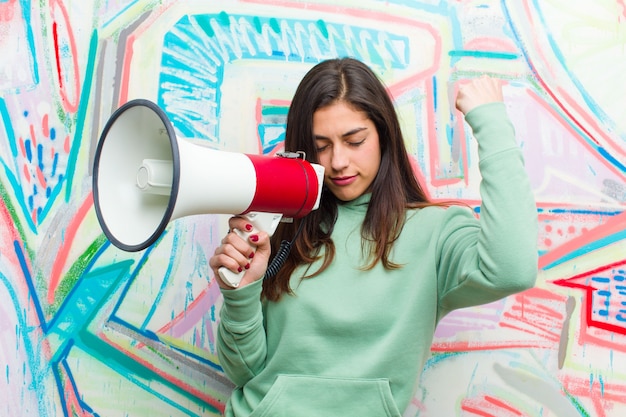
(322, 148)
(356, 143)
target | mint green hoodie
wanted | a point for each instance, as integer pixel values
(351, 342)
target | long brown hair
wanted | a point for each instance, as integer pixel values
(394, 189)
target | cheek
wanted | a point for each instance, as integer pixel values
(324, 160)
(373, 160)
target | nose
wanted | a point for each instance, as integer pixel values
(339, 159)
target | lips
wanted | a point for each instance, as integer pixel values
(343, 181)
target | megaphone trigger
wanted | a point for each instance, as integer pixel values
(259, 221)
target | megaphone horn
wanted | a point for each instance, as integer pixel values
(144, 177)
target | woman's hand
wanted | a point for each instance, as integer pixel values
(250, 255)
(477, 92)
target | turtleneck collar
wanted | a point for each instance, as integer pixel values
(359, 204)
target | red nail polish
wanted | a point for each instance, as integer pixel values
(248, 227)
(247, 266)
(239, 269)
(251, 255)
(254, 238)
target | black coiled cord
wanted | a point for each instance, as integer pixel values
(281, 256)
(279, 260)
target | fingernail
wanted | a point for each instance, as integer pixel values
(254, 238)
(248, 227)
(239, 269)
(247, 266)
(251, 255)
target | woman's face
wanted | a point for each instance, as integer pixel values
(348, 149)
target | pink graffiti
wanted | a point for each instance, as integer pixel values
(603, 395)
(489, 406)
(7, 10)
(61, 259)
(621, 4)
(605, 304)
(535, 315)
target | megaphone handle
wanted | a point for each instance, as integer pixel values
(259, 221)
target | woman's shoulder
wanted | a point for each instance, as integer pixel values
(431, 223)
(437, 215)
(443, 209)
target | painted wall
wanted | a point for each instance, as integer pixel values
(88, 329)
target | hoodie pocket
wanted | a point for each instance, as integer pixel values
(304, 396)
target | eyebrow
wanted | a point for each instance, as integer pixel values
(345, 135)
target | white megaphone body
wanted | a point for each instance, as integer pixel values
(144, 177)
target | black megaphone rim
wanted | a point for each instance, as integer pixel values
(175, 182)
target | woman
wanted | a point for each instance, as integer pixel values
(345, 327)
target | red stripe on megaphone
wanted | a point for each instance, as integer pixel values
(284, 185)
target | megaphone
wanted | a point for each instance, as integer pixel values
(145, 177)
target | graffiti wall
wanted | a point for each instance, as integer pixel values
(88, 329)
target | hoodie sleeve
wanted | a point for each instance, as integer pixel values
(241, 343)
(483, 260)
